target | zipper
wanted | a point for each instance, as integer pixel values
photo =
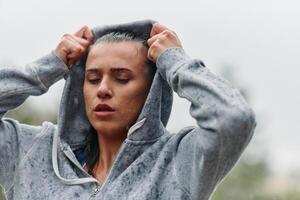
(99, 188)
(69, 153)
(132, 129)
(113, 165)
(95, 192)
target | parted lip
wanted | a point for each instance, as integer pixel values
(103, 107)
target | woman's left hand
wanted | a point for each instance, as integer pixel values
(160, 39)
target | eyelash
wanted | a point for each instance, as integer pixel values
(122, 81)
(94, 81)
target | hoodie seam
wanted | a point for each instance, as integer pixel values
(148, 140)
(38, 78)
(43, 131)
(144, 141)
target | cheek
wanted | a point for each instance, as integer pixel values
(133, 99)
(87, 94)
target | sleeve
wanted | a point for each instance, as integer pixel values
(16, 84)
(205, 154)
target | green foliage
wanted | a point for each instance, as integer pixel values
(247, 181)
(2, 195)
(28, 114)
(243, 181)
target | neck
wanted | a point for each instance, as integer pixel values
(108, 148)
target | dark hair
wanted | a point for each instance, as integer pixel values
(92, 148)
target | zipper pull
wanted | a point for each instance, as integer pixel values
(95, 192)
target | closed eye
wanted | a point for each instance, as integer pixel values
(93, 81)
(122, 80)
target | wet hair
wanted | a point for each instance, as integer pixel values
(92, 148)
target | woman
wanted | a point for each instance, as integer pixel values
(110, 141)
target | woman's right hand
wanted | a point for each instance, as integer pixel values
(71, 47)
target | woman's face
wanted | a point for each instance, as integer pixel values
(117, 81)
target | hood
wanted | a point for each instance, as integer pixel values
(73, 124)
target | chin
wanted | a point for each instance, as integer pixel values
(108, 128)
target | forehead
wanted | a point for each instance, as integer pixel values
(128, 54)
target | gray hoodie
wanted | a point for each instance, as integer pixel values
(39, 162)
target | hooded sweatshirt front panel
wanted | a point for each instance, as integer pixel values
(38, 162)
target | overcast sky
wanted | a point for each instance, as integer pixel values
(259, 38)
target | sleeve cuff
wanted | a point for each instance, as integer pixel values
(170, 60)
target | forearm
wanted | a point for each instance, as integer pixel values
(224, 118)
(212, 98)
(16, 84)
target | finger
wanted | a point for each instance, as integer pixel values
(75, 49)
(80, 32)
(75, 55)
(70, 62)
(153, 39)
(83, 42)
(149, 54)
(157, 28)
(88, 35)
(85, 33)
(153, 52)
(66, 46)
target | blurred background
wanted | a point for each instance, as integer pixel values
(253, 44)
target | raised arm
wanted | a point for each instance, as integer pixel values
(225, 121)
(17, 84)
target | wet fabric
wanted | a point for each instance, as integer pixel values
(42, 162)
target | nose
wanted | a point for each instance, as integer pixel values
(104, 91)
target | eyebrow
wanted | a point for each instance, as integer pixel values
(113, 70)
(92, 70)
(120, 70)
